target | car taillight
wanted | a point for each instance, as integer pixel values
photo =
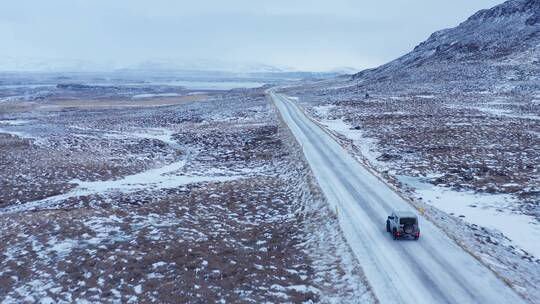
(418, 233)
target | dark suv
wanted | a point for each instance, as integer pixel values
(403, 224)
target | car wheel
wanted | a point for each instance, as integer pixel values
(416, 238)
(394, 234)
(387, 226)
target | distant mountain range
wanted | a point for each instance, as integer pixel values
(495, 45)
(196, 68)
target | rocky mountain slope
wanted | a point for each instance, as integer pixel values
(492, 46)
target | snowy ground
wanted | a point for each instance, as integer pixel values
(470, 159)
(201, 201)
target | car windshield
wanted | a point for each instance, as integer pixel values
(407, 221)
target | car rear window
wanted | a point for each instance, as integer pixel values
(407, 221)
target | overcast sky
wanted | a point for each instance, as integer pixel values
(301, 34)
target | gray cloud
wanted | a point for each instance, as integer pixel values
(299, 34)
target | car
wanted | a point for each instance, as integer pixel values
(403, 224)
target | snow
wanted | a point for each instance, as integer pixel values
(165, 177)
(16, 122)
(485, 210)
(212, 85)
(26, 86)
(62, 248)
(367, 146)
(162, 134)
(507, 113)
(17, 133)
(535, 133)
(15, 98)
(142, 96)
(159, 264)
(324, 110)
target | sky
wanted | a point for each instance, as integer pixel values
(312, 35)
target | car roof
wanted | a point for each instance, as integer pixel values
(401, 214)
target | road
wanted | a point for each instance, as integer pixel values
(431, 270)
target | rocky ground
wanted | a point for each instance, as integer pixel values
(201, 201)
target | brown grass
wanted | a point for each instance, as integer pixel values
(154, 102)
(54, 105)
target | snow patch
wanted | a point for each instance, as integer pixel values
(492, 211)
(367, 145)
(166, 177)
(143, 96)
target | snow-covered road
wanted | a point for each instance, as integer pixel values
(431, 270)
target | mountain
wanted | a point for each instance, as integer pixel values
(497, 45)
(50, 65)
(205, 65)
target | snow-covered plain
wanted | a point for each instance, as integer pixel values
(204, 201)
